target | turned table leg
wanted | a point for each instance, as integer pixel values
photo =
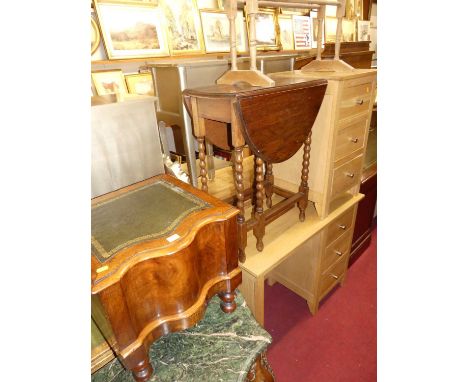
(259, 227)
(143, 370)
(304, 187)
(202, 159)
(239, 182)
(269, 183)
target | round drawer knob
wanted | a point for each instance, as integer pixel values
(354, 140)
(350, 174)
(359, 101)
(338, 253)
(342, 226)
(334, 276)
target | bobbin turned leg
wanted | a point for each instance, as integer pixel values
(143, 370)
(259, 227)
(269, 183)
(202, 160)
(304, 186)
(239, 182)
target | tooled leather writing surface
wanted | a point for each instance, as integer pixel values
(146, 213)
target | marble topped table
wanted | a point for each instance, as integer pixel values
(221, 347)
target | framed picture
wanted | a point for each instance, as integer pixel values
(363, 30)
(286, 29)
(140, 83)
(109, 82)
(95, 36)
(350, 11)
(132, 30)
(266, 21)
(183, 26)
(348, 29)
(215, 25)
(314, 18)
(302, 32)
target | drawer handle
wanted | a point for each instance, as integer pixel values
(359, 101)
(334, 276)
(342, 226)
(338, 253)
(354, 140)
(350, 174)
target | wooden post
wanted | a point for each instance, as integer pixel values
(252, 76)
(231, 14)
(320, 18)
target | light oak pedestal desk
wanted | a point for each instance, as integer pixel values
(308, 257)
(339, 137)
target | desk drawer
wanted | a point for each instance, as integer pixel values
(346, 176)
(339, 226)
(350, 138)
(331, 276)
(336, 250)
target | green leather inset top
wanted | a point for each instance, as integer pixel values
(146, 213)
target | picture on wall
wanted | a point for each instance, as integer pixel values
(266, 37)
(285, 23)
(302, 32)
(363, 30)
(109, 82)
(183, 26)
(140, 83)
(215, 25)
(132, 30)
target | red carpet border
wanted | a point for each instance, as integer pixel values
(339, 343)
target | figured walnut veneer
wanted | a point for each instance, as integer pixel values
(162, 273)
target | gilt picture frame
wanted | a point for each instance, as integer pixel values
(95, 36)
(140, 83)
(132, 30)
(215, 26)
(183, 26)
(109, 82)
(266, 29)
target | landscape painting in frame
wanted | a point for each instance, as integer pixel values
(132, 30)
(285, 23)
(109, 82)
(183, 26)
(215, 26)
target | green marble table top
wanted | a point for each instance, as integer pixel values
(146, 213)
(221, 347)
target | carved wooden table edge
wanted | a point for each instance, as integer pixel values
(210, 232)
(223, 103)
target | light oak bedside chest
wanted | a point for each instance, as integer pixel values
(339, 137)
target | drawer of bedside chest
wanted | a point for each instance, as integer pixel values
(339, 226)
(346, 176)
(355, 98)
(336, 250)
(331, 276)
(350, 138)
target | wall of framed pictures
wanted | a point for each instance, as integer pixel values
(139, 29)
